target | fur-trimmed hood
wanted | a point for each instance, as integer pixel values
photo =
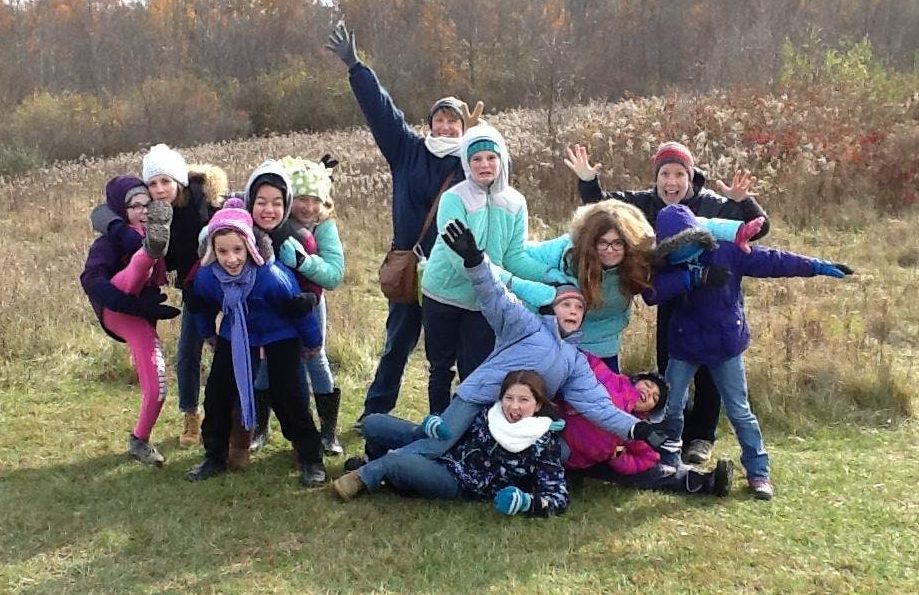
(212, 181)
(679, 236)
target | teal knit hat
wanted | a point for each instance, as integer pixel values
(485, 144)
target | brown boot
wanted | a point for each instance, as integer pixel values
(348, 486)
(191, 434)
(240, 438)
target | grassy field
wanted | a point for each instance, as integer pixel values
(832, 372)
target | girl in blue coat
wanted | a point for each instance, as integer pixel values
(700, 277)
(253, 295)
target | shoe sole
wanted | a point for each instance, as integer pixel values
(148, 462)
(728, 467)
(156, 236)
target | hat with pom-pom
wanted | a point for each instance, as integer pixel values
(233, 216)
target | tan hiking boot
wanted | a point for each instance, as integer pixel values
(191, 434)
(348, 486)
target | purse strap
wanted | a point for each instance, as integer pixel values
(430, 217)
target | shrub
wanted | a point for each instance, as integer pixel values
(18, 160)
(60, 126)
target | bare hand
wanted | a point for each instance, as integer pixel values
(471, 119)
(740, 186)
(578, 161)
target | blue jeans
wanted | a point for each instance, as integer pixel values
(458, 417)
(452, 335)
(317, 366)
(188, 363)
(731, 380)
(403, 327)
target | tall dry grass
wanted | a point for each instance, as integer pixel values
(824, 351)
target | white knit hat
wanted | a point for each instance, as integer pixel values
(161, 160)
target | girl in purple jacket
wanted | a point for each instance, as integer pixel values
(700, 277)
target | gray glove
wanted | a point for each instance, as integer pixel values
(341, 43)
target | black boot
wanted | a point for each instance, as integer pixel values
(716, 483)
(206, 469)
(262, 412)
(312, 475)
(327, 407)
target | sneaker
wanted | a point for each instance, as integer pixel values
(143, 452)
(355, 463)
(156, 235)
(698, 451)
(206, 469)
(191, 432)
(761, 488)
(724, 475)
(312, 475)
(348, 486)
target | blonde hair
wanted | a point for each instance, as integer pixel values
(588, 225)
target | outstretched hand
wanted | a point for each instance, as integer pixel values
(471, 119)
(458, 238)
(342, 43)
(578, 161)
(740, 187)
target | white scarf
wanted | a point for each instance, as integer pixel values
(442, 146)
(517, 436)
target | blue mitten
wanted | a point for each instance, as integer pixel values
(557, 425)
(292, 253)
(511, 500)
(434, 427)
(831, 269)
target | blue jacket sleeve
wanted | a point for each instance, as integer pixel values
(284, 289)
(666, 285)
(386, 121)
(505, 314)
(327, 268)
(588, 397)
(206, 291)
(769, 263)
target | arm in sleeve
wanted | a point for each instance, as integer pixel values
(746, 210)
(589, 398)
(517, 260)
(327, 267)
(505, 314)
(386, 121)
(770, 263)
(550, 493)
(667, 285)
(283, 289)
(637, 457)
(208, 303)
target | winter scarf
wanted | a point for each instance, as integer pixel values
(517, 436)
(443, 146)
(235, 291)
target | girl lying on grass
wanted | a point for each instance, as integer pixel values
(509, 456)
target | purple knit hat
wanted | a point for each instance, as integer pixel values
(119, 190)
(233, 216)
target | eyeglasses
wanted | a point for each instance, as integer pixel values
(137, 205)
(615, 245)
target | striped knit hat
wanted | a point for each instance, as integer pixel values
(672, 152)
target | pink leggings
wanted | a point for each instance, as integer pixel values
(143, 342)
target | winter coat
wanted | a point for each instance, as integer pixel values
(701, 201)
(590, 445)
(417, 174)
(274, 287)
(708, 325)
(602, 326)
(482, 468)
(327, 268)
(528, 341)
(496, 216)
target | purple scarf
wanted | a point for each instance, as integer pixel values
(235, 291)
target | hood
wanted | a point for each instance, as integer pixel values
(486, 132)
(212, 181)
(270, 168)
(680, 238)
(118, 189)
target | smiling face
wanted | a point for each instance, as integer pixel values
(649, 394)
(518, 402)
(610, 249)
(446, 122)
(162, 187)
(672, 183)
(305, 209)
(268, 207)
(137, 209)
(570, 314)
(484, 166)
(230, 250)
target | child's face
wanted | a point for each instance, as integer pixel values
(268, 207)
(162, 187)
(305, 209)
(518, 402)
(446, 122)
(570, 314)
(610, 248)
(672, 183)
(649, 394)
(137, 209)
(230, 249)
(484, 166)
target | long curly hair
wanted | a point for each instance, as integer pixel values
(588, 225)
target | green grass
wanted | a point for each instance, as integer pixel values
(77, 516)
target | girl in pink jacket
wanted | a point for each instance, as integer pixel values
(633, 463)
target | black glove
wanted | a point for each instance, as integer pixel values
(152, 306)
(710, 276)
(458, 238)
(341, 43)
(654, 434)
(301, 305)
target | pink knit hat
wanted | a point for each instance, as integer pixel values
(672, 152)
(233, 216)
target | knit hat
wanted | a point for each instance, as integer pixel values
(662, 386)
(161, 160)
(564, 292)
(672, 152)
(450, 103)
(232, 216)
(308, 178)
(484, 144)
(119, 190)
